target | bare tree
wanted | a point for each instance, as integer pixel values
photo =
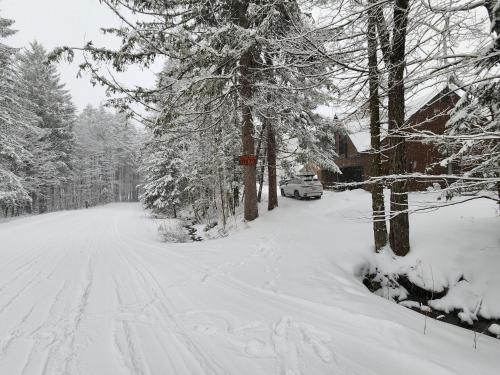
(377, 189)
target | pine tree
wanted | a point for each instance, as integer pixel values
(17, 121)
(53, 164)
(166, 184)
(214, 59)
(106, 150)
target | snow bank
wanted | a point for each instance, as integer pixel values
(455, 249)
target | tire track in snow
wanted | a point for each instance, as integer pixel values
(20, 292)
(15, 333)
(50, 332)
(305, 336)
(25, 269)
(166, 327)
(289, 363)
(34, 334)
(128, 355)
(153, 291)
(63, 351)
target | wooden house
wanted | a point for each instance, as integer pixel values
(426, 111)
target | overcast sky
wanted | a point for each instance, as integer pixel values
(67, 22)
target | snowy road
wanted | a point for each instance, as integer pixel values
(94, 292)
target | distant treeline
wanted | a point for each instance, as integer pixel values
(51, 158)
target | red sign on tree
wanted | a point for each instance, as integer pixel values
(248, 160)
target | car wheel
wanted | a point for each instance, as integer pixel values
(296, 194)
(283, 193)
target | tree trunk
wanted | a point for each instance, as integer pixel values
(383, 33)
(493, 9)
(249, 172)
(257, 154)
(378, 206)
(399, 236)
(222, 200)
(246, 62)
(271, 168)
(261, 178)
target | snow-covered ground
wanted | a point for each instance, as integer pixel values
(96, 292)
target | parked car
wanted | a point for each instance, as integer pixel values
(302, 186)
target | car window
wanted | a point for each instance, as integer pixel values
(309, 178)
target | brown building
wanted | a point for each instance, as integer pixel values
(428, 112)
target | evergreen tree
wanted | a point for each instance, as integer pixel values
(216, 55)
(53, 164)
(17, 122)
(107, 147)
(166, 183)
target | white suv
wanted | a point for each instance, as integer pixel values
(302, 186)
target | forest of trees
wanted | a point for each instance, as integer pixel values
(52, 158)
(247, 77)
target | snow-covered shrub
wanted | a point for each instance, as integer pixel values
(173, 231)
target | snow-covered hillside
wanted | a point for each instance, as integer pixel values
(96, 292)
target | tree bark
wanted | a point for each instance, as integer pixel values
(257, 154)
(240, 9)
(271, 168)
(261, 178)
(399, 236)
(383, 33)
(249, 172)
(378, 206)
(272, 202)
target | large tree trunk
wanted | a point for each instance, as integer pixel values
(399, 236)
(240, 9)
(272, 202)
(378, 206)
(271, 168)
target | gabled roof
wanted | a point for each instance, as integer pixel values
(361, 140)
(358, 129)
(424, 95)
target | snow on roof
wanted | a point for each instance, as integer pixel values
(361, 140)
(421, 95)
(358, 130)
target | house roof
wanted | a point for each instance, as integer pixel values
(358, 129)
(423, 95)
(361, 140)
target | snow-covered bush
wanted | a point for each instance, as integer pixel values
(173, 231)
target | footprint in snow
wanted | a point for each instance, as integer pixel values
(291, 338)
